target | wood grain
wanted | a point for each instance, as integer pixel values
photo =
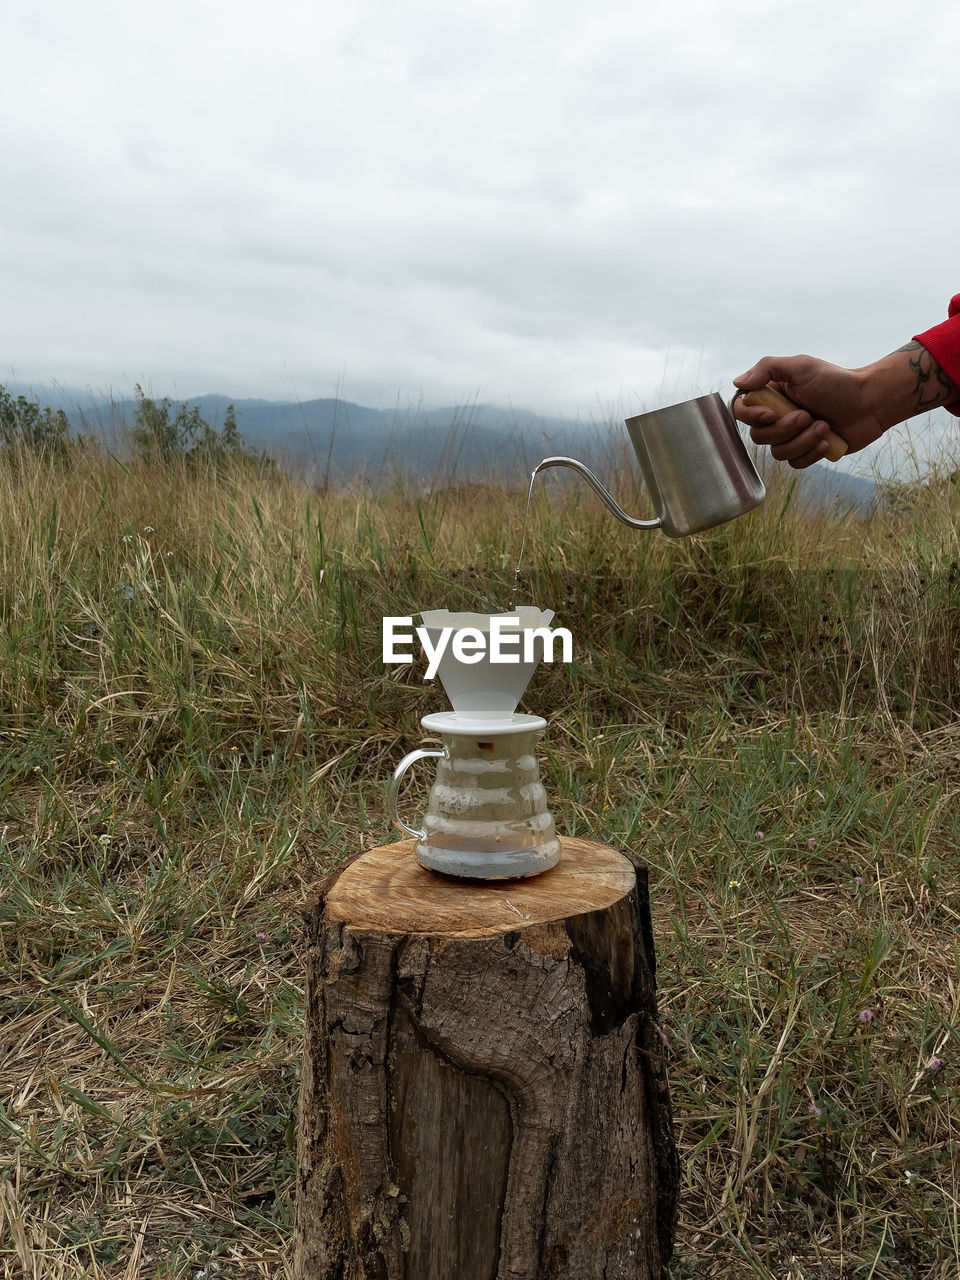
(386, 889)
(484, 1084)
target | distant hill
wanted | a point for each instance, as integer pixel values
(824, 485)
(340, 439)
(335, 439)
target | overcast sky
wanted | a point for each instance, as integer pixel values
(585, 209)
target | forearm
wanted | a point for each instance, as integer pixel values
(906, 382)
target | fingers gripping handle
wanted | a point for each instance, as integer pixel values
(423, 753)
(767, 398)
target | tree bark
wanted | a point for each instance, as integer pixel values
(484, 1087)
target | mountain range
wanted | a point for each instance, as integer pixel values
(335, 440)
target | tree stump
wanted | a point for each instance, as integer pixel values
(484, 1091)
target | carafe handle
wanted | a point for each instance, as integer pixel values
(422, 753)
(768, 398)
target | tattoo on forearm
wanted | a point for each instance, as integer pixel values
(932, 387)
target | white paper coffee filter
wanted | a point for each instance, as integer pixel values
(486, 690)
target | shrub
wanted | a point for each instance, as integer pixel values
(160, 434)
(25, 425)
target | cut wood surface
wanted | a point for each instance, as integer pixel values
(484, 1089)
(387, 889)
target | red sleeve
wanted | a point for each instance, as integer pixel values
(943, 343)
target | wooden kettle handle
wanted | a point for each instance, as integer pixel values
(770, 399)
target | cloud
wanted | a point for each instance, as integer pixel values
(557, 207)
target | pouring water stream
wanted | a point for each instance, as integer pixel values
(601, 491)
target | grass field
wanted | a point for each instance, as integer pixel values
(195, 724)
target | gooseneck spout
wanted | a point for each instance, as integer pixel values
(598, 489)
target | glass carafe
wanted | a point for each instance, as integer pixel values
(487, 815)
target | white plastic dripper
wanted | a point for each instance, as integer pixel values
(479, 688)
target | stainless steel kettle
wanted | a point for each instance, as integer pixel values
(695, 465)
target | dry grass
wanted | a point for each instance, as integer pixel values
(195, 723)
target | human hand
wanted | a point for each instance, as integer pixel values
(831, 399)
(768, 398)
